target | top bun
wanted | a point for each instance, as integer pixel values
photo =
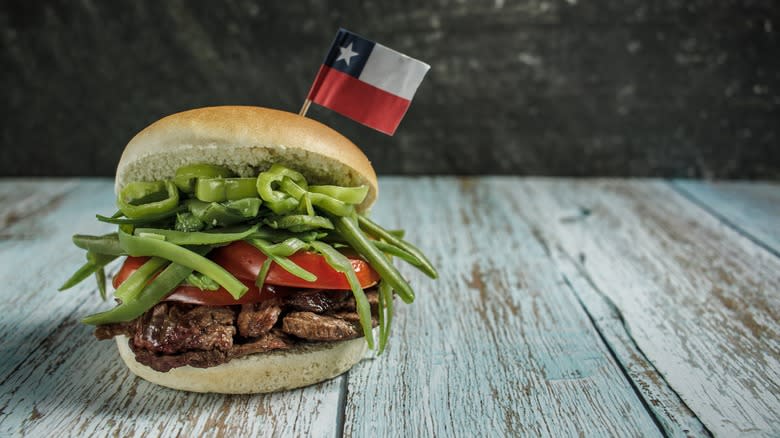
(246, 140)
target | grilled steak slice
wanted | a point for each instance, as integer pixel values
(308, 325)
(166, 362)
(257, 319)
(171, 328)
(317, 301)
(348, 305)
(108, 331)
(275, 340)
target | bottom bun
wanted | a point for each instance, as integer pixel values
(303, 365)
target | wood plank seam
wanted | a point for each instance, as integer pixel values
(695, 200)
(341, 411)
(657, 418)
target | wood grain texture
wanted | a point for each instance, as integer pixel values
(700, 300)
(752, 207)
(499, 346)
(56, 379)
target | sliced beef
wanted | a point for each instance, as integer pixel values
(257, 319)
(172, 328)
(317, 301)
(348, 305)
(108, 331)
(314, 327)
(166, 362)
(275, 340)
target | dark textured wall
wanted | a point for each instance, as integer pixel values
(617, 87)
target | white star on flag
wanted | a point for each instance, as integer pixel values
(346, 54)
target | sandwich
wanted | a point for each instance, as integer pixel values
(249, 262)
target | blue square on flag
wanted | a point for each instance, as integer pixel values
(349, 53)
(367, 82)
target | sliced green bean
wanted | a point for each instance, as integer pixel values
(199, 237)
(324, 202)
(260, 280)
(347, 195)
(377, 231)
(288, 247)
(107, 244)
(134, 284)
(386, 294)
(286, 264)
(299, 222)
(140, 221)
(349, 230)
(341, 263)
(155, 291)
(142, 246)
(94, 262)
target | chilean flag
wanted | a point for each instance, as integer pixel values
(367, 82)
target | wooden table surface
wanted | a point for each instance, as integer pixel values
(565, 307)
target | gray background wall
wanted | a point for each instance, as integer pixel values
(664, 88)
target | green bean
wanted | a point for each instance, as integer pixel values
(286, 264)
(347, 195)
(95, 261)
(155, 291)
(288, 247)
(201, 281)
(279, 235)
(199, 237)
(143, 246)
(135, 282)
(393, 250)
(341, 263)
(107, 244)
(377, 231)
(386, 294)
(324, 202)
(349, 230)
(140, 221)
(187, 221)
(100, 278)
(299, 222)
(260, 280)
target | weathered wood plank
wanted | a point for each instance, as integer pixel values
(670, 411)
(22, 198)
(700, 300)
(752, 207)
(55, 378)
(499, 346)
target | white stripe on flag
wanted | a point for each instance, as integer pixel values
(393, 72)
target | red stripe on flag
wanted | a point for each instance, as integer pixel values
(358, 100)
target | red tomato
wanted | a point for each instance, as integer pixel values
(244, 261)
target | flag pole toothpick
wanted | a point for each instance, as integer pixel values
(305, 108)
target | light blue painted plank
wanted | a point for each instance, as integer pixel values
(499, 346)
(752, 207)
(698, 298)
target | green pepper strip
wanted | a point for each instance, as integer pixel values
(95, 262)
(151, 294)
(347, 195)
(131, 199)
(187, 176)
(288, 265)
(142, 221)
(278, 235)
(133, 285)
(341, 263)
(198, 237)
(324, 202)
(225, 189)
(386, 302)
(275, 175)
(377, 231)
(107, 244)
(349, 230)
(145, 246)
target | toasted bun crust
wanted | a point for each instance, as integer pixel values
(257, 373)
(247, 140)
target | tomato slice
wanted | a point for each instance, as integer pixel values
(244, 261)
